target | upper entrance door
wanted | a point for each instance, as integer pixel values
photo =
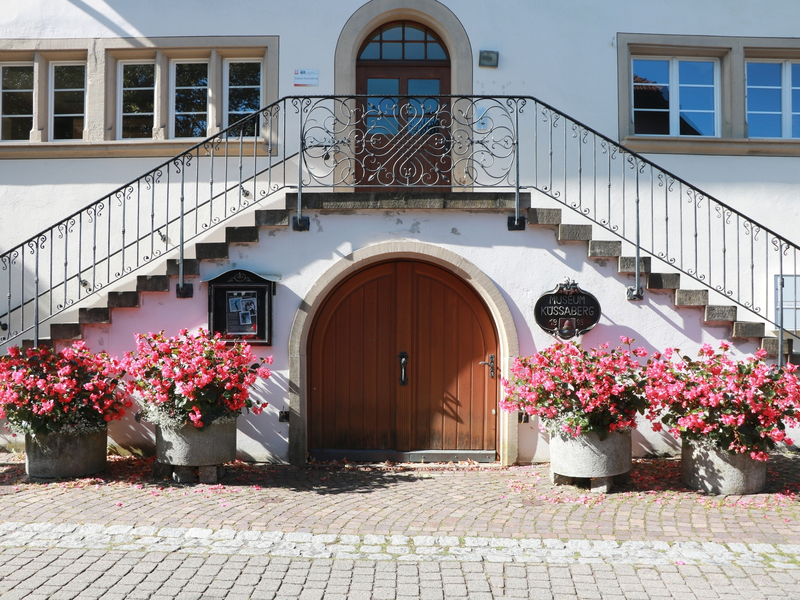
(403, 69)
(403, 356)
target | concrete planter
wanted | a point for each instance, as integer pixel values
(589, 457)
(189, 446)
(65, 455)
(721, 472)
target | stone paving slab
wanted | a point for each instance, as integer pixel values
(115, 538)
(394, 531)
(461, 501)
(65, 574)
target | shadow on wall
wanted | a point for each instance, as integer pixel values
(127, 437)
(263, 438)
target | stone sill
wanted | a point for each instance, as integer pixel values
(713, 146)
(118, 149)
(416, 199)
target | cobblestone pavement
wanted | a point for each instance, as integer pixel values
(394, 531)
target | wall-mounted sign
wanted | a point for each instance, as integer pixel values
(567, 311)
(306, 77)
(240, 306)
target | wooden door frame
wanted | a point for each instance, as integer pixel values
(396, 249)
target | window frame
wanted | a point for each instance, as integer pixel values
(674, 94)
(787, 110)
(173, 63)
(788, 305)
(226, 87)
(33, 92)
(119, 98)
(51, 90)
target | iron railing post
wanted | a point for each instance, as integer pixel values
(517, 225)
(36, 298)
(635, 293)
(300, 223)
(180, 259)
(516, 165)
(780, 305)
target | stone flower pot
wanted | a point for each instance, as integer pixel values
(62, 455)
(588, 457)
(718, 471)
(189, 446)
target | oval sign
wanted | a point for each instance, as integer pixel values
(567, 311)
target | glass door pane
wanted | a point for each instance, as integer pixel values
(423, 105)
(382, 106)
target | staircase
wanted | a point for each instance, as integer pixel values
(501, 145)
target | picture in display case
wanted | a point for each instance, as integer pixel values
(240, 306)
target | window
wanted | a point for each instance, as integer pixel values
(243, 93)
(16, 101)
(773, 99)
(403, 41)
(136, 100)
(675, 96)
(189, 99)
(68, 101)
(791, 301)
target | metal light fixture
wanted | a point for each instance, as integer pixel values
(488, 58)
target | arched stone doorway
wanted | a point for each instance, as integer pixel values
(402, 360)
(312, 302)
(429, 13)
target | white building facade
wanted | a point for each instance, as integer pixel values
(418, 175)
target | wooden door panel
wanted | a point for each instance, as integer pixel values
(351, 404)
(356, 400)
(453, 334)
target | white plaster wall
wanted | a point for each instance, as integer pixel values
(563, 53)
(35, 194)
(523, 265)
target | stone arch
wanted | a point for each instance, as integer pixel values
(409, 249)
(427, 12)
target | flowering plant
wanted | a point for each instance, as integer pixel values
(579, 391)
(195, 379)
(70, 391)
(736, 405)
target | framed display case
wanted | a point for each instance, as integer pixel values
(240, 307)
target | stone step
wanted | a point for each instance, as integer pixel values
(719, 314)
(211, 250)
(604, 249)
(152, 283)
(26, 344)
(574, 233)
(191, 267)
(241, 235)
(627, 264)
(272, 218)
(544, 217)
(66, 331)
(94, 315)
(123, 300)
(747, 329)
(770, 344)
(663, 281)
(691, 297)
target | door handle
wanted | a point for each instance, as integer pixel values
(403, 356)
(490, 364)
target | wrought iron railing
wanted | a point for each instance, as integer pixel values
(451, 143)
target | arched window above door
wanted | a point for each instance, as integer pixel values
(403, 40)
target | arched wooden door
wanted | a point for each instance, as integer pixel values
(357, 401)
(404, 134)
